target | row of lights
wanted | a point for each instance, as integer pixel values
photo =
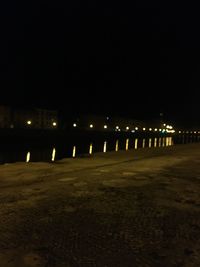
(54, 124)
(117, 128)
(187, 132)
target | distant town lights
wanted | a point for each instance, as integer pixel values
(74, 125)
(127, 128)
(117, 127)
(54, 124)
(144, 129)
(29, 122)
(136, 128)
(91, 126)
(105, 126)
(150, 129)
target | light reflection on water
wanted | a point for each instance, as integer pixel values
(105, 147)
(59, 152)
(74, 152)
(28, 156)
(143, 143)
(90, 149)
(117, 145)
(150, 142)
(127, 144)
(155, 142)
(136, 143)
(159, 141)
(53, 154)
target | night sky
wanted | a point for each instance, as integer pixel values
(105, 57)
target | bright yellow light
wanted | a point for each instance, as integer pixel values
(91, 125)
(164, 124)
(127, 128)
(136, 128)
(105, 126)
(74, 152)
(28, 155)
(160, 130)
(155, 129)
(117, 127)
(150, 129)
(74, 125)
(179, 131)
(54, 124)
(144, 129)
(29, 122)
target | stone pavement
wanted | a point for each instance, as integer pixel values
(135, 208)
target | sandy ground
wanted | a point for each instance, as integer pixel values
(139, 208)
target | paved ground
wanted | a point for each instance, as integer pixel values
(136, 208)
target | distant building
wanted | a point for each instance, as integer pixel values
(46, 119)
(5, 117)
(28, 118)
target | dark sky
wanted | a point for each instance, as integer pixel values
(106, 57)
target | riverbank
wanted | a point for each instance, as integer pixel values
(127, 208)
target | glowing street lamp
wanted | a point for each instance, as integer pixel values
(54, 124)
(105, 126)
(91, 126)
(29, 122)
(74, 125)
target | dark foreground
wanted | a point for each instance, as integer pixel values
(136, 208)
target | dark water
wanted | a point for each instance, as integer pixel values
(34, 152)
